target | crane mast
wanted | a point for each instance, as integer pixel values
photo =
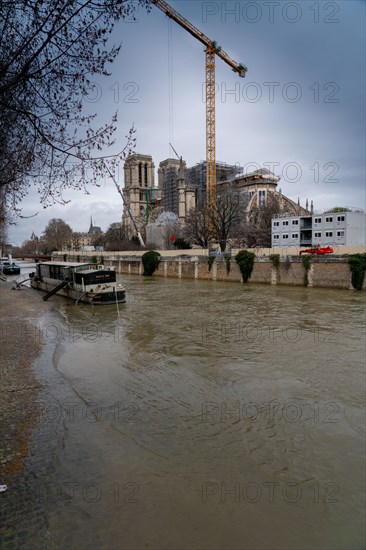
(211, 51)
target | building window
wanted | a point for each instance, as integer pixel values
(285, 236)
(340, 218)
(140, 173)
(317, 220)
(275, 237)
(295, 222)
(285, 223)
(262, 198)
(329, 220)
(295, 236)
(317, 235)
(276, 224)
(145, 173)
(142, 196)
(329, 233)
(340, 233)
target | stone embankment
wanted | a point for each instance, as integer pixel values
(325, 271)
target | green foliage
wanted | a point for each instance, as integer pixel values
(275, 259)
(357, 264)
(78, 258)
(228, 264)
(150, 261)
(211, 260)
(182, 244)
(101, 260)
(305, 260)
(245, 261)
(94, 259)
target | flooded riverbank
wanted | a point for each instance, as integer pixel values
(206, 415)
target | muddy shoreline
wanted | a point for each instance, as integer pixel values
(21, 344)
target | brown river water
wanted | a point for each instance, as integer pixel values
(204, 416)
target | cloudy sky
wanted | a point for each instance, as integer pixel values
(299, 111)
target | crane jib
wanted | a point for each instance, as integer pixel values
(210, 44)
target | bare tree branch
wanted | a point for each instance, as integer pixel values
(50, 50)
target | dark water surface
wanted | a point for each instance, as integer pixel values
(206, 416)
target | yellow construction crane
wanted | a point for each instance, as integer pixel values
(211, 50)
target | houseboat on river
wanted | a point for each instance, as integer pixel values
(81, 282)
(8, 267)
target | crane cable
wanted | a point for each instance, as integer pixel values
(170, 82)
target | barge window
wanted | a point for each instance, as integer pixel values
(55, 272)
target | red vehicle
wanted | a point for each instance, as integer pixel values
(317, 249)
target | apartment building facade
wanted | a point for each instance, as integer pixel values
(337, 227)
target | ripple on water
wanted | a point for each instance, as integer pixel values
(225, 384)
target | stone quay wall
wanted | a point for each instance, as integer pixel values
(324, 272)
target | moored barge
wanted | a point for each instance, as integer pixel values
(81, 282)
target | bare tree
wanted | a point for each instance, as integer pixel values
(50, 49)
(256, 227)
(30, 247)
(57, 235)
(115, 236)
(3, 226)
(98, 238)
(197, 227)
(204, 225)
(229, 211)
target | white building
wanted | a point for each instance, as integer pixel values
(337, 227)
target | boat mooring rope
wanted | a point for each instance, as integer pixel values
(115, 291)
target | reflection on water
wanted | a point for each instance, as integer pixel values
(210, 416)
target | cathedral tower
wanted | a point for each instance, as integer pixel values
(138, 176)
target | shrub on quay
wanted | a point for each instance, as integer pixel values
(306, 262)
(357, 264)
(275, 259)
(150, 261)
(245, 261)
(210, 262)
